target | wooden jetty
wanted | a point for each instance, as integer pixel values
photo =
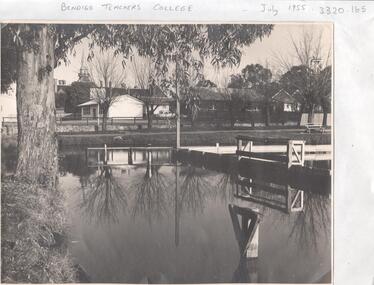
(291, 152)
(275, 160)
(105, 155)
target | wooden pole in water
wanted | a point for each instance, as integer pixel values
(178, 120)
(176, 213)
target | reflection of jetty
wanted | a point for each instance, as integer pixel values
(278, 197)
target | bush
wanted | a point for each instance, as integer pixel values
(33, 241)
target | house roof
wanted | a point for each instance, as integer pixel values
(88, 103)
(222, 94)
(284, 97)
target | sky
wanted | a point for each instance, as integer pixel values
(261, 51)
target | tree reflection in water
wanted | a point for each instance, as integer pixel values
(194, 189)
(151, 194)
(105, 199)
(226, 186)
(313, 221)
(309, 225)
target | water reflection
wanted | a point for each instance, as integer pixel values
(8, 159)
(245, 223)
(195, 189)
(226, 186)
(312, 222)
(205, 213)
(151, 195)
(278, 197)
(103, 198)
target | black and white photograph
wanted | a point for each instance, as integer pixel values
(166, 153)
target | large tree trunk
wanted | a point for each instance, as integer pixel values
(37, 144)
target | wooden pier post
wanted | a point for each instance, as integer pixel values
(105, 153)
(252, 251)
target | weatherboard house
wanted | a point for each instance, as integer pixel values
(126, 103)
(122, 106)
(284, 101)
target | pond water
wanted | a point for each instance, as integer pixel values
(167, 222)
(171, 223)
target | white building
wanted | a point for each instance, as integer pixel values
(8, 107)
(123, 106)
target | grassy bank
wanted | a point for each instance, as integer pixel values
(33, 242)
(187, 138)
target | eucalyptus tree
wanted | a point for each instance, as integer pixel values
(39, 48)
(181, 46)
(29, 54)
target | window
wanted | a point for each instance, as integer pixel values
(86, 110)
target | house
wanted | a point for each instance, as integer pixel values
(122, 106)
(216, 99)
(8, 107)
(78, 99)
(285, 102)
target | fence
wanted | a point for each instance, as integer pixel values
(204, 117)
(95, 120)
(253, 117)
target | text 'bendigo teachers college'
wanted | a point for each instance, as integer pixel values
(70, 7)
